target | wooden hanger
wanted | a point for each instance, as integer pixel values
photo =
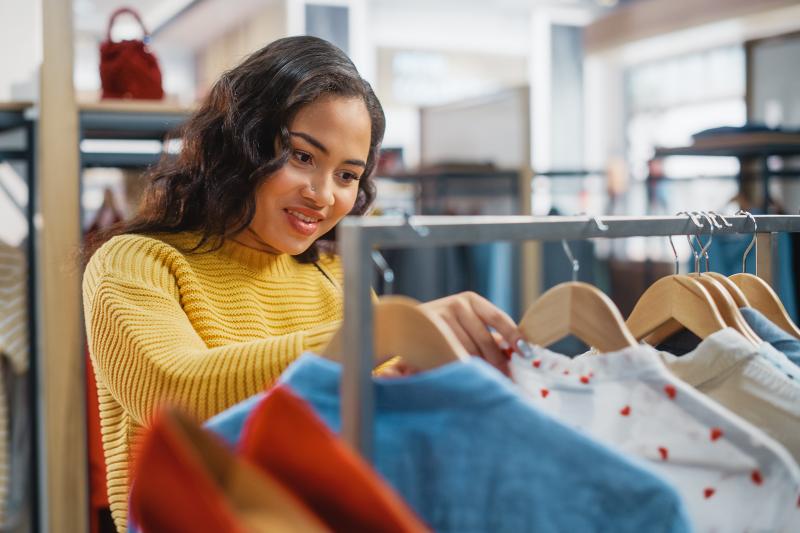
(736, 293)
(763, 298)
(675, 302)
(404, 329)
(675, 299)
(579, 309)
(727, 307)
(721, 296)
(760, 295)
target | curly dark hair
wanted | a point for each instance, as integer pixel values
(229, 144)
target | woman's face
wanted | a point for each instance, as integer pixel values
(318, 186)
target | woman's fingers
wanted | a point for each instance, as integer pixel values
(479, 334)
(461, 334)
(470, 316)
(494, 317)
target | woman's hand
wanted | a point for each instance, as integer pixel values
(469, 316)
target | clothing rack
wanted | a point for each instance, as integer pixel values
(19, 116)
(358, 236)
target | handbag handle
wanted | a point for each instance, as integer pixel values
(130, 11)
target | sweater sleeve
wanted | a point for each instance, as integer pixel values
(147, 353)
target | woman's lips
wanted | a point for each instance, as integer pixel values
(303, 224)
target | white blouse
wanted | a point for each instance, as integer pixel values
(731, 476)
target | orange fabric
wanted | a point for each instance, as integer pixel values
(187, 481)
(285, 437)
(172, 492)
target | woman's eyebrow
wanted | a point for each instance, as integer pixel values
(321, 147)
(311, 140)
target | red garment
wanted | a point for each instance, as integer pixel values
(98, 496)
(284, 437)
(185, 480)
(172, 490)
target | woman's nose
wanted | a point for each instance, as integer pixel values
(319, 190)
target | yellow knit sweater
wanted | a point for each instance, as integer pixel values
(200, 330)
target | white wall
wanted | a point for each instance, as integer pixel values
(484, 28)
(20, 49)
(463, 50)
(490, 129)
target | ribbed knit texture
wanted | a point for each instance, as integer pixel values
(199, 330)
(14, 347)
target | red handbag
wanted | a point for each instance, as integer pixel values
(128, 69)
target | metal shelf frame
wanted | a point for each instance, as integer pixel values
(359, 236)
(112, 124)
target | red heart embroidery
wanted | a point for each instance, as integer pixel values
(715, 433)
(625, 411)
(670, 390)
(756, 477)
(585, 380)
(709, 492)
(544, 392)
(537, 363)
(508, 352)
(664, 453)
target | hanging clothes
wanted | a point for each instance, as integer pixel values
(723, 467)
(290, 443)
(468, 453)
(775, 336)
(731, 370)
(185, 481)
(14, 403)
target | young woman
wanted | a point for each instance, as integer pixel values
(225, 275)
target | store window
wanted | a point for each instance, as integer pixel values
(670, 100)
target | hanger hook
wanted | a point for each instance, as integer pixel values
(712, 223)
(704, 248)
(753, 242)
(674, 253)
(711, 219)
(574, 262)
(724, 220)
(695, 253)
(694, 217)
(422, 231)
(602, 226)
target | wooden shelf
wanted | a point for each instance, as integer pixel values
(15, 106)
(739, 145)
(135, 106)
(130, 120)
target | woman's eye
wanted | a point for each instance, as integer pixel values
(303, 157)
(349, 177)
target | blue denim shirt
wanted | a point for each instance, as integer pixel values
(774, 335)
(469, 454)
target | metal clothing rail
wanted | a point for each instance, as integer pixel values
(359, 236)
